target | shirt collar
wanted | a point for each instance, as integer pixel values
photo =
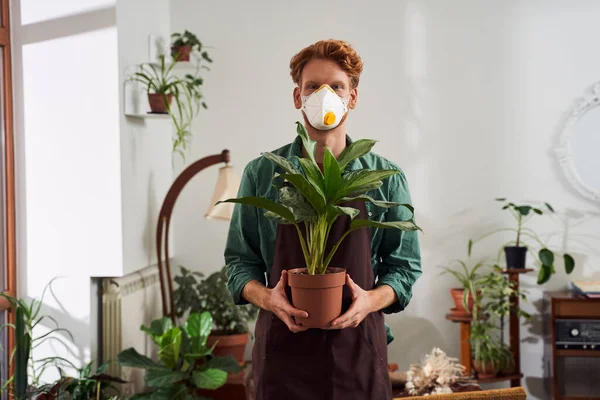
(296, 150)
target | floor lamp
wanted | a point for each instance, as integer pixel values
(227, 186)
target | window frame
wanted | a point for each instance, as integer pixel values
(9, 261)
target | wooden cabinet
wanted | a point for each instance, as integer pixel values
(572, 345)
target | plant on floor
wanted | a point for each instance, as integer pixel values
(163, 86)
(516, 249)
(212, 295)
(26, 379)
(186, 364)
(316, 198)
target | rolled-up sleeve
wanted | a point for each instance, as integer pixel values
(242, 250)
(399, 253)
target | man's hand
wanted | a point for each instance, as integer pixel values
(279, 305)
(363, 303)
(361, 306)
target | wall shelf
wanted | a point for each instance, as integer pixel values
(148, 115)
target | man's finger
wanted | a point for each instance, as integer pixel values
(292, 326)
(343, 319)
(296, 313)
(351, 284)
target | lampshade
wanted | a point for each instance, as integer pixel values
(228, 183)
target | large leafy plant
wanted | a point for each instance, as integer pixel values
(527, 237)
(185, 364)
(211, 294)
(316, 197)
(466, 276)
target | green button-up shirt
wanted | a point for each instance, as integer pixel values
(396, 257)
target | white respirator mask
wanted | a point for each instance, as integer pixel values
(324, 109)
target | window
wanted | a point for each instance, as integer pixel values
(8, 279)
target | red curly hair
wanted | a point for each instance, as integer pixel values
(338, 51)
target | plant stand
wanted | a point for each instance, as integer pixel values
(514, 335)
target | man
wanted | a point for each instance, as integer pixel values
(349, 359)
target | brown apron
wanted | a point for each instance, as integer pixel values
(348, 364)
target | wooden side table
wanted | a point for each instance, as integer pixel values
(514, 333)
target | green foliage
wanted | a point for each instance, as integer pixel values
(468, 277)
(211, 294)
(545, 257)
(26, 381)
(316, 198)
(186, 92)
(185, 363)
(184, 39)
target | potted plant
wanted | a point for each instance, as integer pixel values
(516, 249)
(186, 365)
(490, 355)
(163, 88)
(463, 299)
(230, 331)
(315, 198)
(183, 44)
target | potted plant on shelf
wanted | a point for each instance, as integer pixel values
(186, 366)
(230, 332)
(316, 198)
(163, 88)
(183, 44)
(516, 249)
(462, 296)
(490, 355)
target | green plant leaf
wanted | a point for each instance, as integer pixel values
(355, 150)
(349, 211)
(524, 210)
(360, 182)
(170, 344)
(131, 358)
(307, 190)
(198, 327)
(546, 257)
(266, 204)
(313, 174)
(378, 203)
(163, 377)
(402, 225)
(470, 248)
(291, 198)
(158, 327)
(537, 211)
(569, 263)
(307, 142)
(500, 199)
(282, 162)
(549, 207)
(332, 173)
(544, 274)
(227, 364)
(210, 379)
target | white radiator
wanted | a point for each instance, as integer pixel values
(127, 303)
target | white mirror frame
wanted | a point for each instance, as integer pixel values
(564, 151)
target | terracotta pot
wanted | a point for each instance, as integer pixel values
(182, 53)
(319, 295)
(157, 102)
(457, 296)
(484, 370)
(229, 345)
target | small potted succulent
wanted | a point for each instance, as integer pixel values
(516, 249)
(183, 44)
(230, 332)
(316, 198)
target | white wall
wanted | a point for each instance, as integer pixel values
(466, 96)
(67, 130)
(89, 180)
